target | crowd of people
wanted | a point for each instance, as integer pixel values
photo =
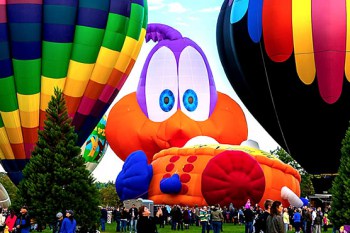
(271, 218)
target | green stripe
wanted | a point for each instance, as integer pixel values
(1, 122)
(56, 58)
(8, 95)
(27, 76)
(135, 23)
(145, 18)
(115, 32)
(87, 43)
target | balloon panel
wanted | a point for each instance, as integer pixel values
(86, 48)
(292, 78)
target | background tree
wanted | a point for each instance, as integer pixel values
(306, 186)
(109, 196)
(340, 211)
(55, 179)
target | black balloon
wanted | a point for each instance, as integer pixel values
(293, 113)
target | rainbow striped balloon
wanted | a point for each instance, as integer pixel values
(87, 48)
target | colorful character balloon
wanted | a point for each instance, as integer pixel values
(288, 63)
(5, 200)
(175, 105)
(86, 48)
(95, 146)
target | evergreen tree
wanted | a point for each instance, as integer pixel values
(55, 179)
(340, 211)
(306, 186)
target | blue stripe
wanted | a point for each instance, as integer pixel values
(58, 33)
(59, 14)
(92, 18)
(140, 2)
(100, 4)
(3, 32)
(14, 168)
(6, 68)
(25, 32)
(238, 10)
(255, 20)
(73, 3)
(26, 50)
(24, 13)
(120, 7)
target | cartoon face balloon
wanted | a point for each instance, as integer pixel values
(288, 63)
(176, 106)
(86, 48)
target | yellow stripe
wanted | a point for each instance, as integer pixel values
(136, 51)
(5, 145)
(47, 89)
(48, 84)
(347, 58)
(104, 65)
(28, 103)
(122, 62)
(129, 46)
(77, 73)
(75, 88)
(2, 156)
(11, 119)
(30, 119)
(302, 39)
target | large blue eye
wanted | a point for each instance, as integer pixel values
(166, 100)
(190, 100)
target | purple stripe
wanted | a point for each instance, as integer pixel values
(24, 13)
(140, 2)
(92, 18)
(86, 105)
(61, 2)
(120, 7)
(106, 93)
(329, 37)
(78, 121)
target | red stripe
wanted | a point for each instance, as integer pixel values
(24, 1)
(277, 29)
(329, 37)
(3, 13)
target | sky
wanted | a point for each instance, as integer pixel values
(195, 19)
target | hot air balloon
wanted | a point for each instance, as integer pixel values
(86, 48)
(95, 145)
(163, 129)
(288, 63)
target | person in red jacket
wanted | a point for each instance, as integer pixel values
(11, 220)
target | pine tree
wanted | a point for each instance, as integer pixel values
(340, 211)
(55, 179)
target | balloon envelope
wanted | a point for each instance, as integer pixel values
(86, 48)
(287, 62)
(95, 146)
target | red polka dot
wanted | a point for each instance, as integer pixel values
(184, 178)
(191, 159)
(170, 167)
(184, 189)
(174, 158)
(188, 168)
(167, 175)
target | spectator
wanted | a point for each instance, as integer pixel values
(103, 218)
(69, 224)
(274, 222)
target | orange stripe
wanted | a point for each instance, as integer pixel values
(115, 78)
(93, 90)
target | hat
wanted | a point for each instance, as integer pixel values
(24, 207)
(70, 212)
(59, 215)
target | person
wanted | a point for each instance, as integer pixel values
(103, 218)
(274, 222)
(123, 219)
(204, 218)
(58, 224)
(23, 221)
(260, 223)
(286, 220)
(69, 224)
(10, 221)
(248, 217)
(297, 219)
(318, 222)
(133, 215)
(2, 220)
(146, 223)
(216, 218)
(117, 216)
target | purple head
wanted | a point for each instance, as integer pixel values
(176, 75)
